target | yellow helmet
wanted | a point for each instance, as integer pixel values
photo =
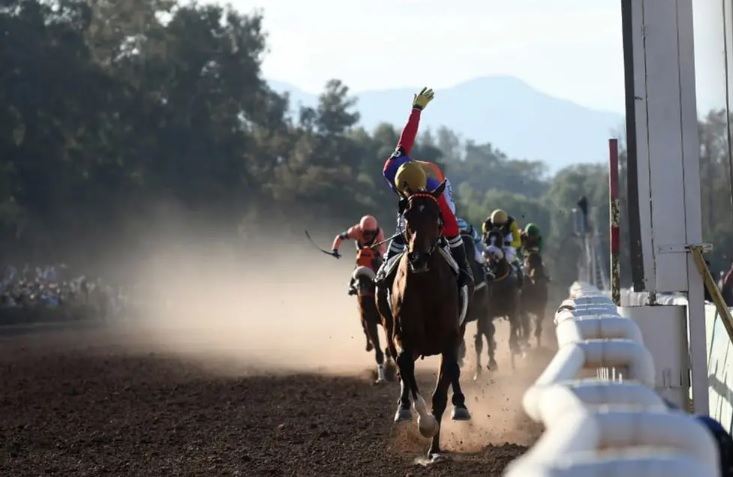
(499, 217)
(410, 178)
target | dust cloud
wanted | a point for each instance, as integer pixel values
(282, 307)
(277, 306)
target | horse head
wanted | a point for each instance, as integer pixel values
(423, 226)
(494, 241)
(534, 265)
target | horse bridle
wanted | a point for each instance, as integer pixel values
(440, 219)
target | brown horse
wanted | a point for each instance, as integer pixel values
(534, 294)
(425, 316)
(367, 263)
(504, 302)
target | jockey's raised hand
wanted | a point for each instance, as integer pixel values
(421, 99)
(335, 253)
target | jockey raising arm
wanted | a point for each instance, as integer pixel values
(405, 175)
(365, 233)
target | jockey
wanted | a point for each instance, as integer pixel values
(512, 238)
(532, 238)
(404, 176)
(478, 242)
(365, 233)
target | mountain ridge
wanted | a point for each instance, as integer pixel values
(520, 120)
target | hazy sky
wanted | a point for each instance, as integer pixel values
(567, 48)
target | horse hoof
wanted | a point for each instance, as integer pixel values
(435, 457)
(403, 415)
(460, 414)
(493, 365)
(369, 348)
(380, 381)
(477, 376)
(428, 427)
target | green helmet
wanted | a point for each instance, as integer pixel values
(532, 230)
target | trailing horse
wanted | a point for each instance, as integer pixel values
(367, 263)
(503, 302)
(423, 318)
(478, 306)
(534, 294)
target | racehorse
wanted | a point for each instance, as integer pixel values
(367, 263)
(425, 315)
(478, 306)
(504, 298)
(534, 294)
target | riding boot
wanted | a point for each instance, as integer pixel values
(352, 288)
(458, 252)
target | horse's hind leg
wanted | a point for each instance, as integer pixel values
(450, 363)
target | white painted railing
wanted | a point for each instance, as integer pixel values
(607, 428)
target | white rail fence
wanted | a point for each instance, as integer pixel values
(616, 425)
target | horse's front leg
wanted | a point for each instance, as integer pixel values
(440, 402)
(450, 362)
(538, 318)
(478, 346)
(373, 336)
(403, 403)
(461, 352)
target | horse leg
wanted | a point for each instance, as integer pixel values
(404, 363)
(371, 327)
(478, 346)
(489, 331)
(514, 333)
(461, 352)
(366, 331)
(460, 411)
(440, 402)
(426, 422)
(524, 327)
(387, 320)
(538, 318)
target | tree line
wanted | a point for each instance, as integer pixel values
(109, 107)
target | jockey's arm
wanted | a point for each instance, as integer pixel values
(404, 147)
(409, 133)
(351, 234)
(450, 224)
(516, 235)
(540, 244)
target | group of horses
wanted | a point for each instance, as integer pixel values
(426, 314)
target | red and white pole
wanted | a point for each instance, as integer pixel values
(615, 216)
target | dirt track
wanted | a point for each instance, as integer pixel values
(83, 404)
